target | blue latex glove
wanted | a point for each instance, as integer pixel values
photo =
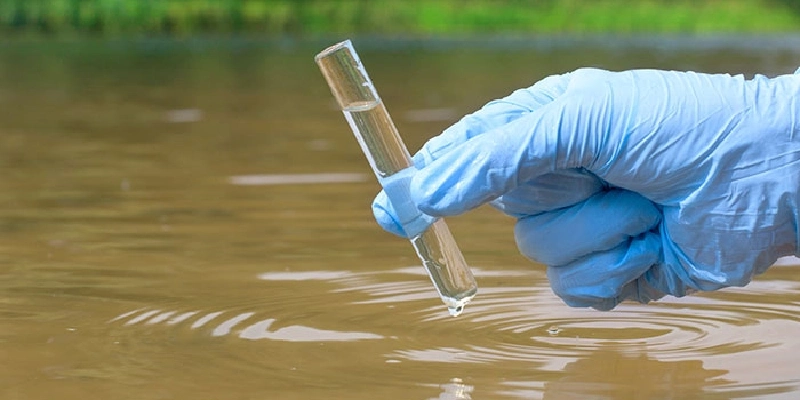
(629, 185)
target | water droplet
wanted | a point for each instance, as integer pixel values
(455, 311)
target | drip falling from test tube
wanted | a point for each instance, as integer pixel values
(391, 162)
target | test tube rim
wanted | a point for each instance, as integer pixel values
(333, 48)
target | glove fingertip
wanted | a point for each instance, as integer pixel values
(384, 215)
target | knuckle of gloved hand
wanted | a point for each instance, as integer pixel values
(588, 78)
(536, 243)
(577, 295)
(549, 192)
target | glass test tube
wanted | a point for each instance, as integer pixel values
(387, 155)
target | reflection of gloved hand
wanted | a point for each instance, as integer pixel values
(629, 185)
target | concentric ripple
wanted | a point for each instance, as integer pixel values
(515, 317)
(516, 323)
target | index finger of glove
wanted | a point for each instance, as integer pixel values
(493, 115)
(561, 135)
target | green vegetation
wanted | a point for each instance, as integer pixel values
(392, 17)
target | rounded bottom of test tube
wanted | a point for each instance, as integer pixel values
(456, 307)
(455, 311)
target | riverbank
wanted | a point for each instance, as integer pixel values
(393, 17)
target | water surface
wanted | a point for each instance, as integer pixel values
(190, 220)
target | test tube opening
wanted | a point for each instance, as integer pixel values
(347, 44)
(346, 76)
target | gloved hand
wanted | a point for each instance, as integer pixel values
(629, 185)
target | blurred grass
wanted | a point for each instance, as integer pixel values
(396, 17)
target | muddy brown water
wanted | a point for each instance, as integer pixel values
(190, 220)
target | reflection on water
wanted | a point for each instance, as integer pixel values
(191, 220)
(455, 390)
(654, 379)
